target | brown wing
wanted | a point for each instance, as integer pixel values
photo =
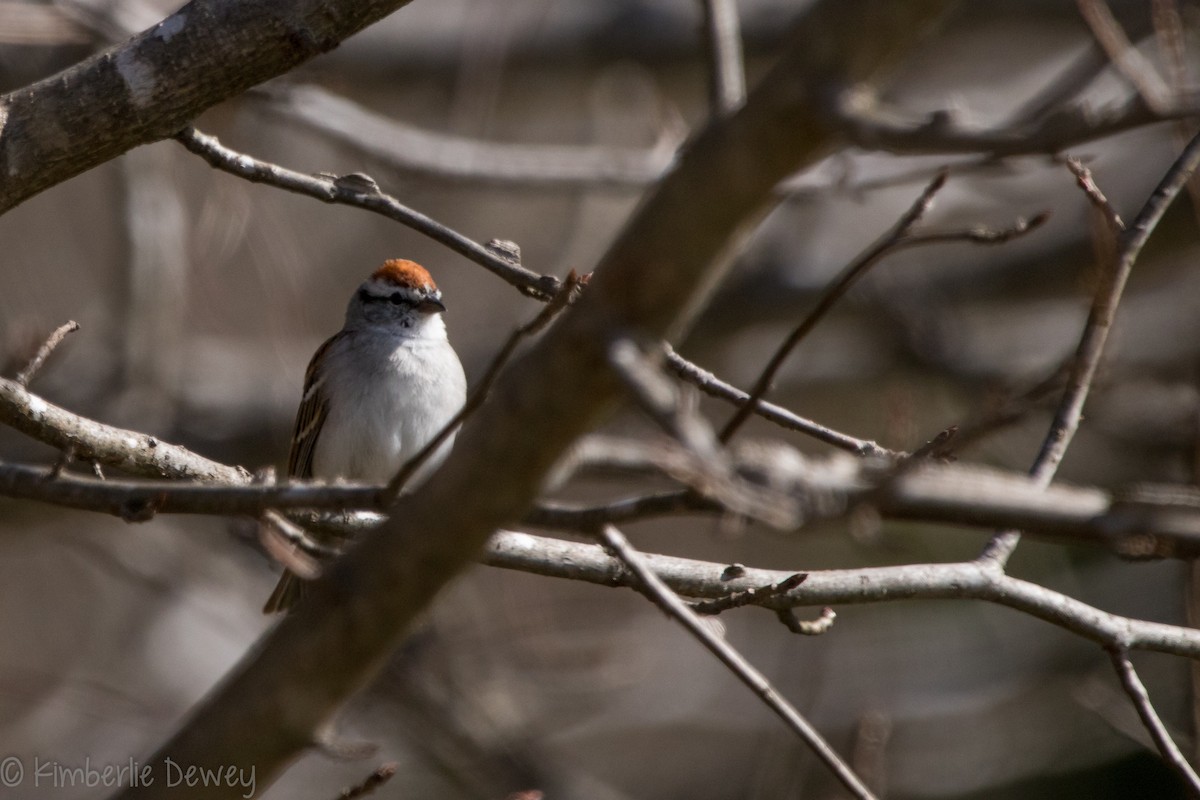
(310, 417)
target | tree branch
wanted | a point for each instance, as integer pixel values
(1095, 333)
(154, 84)
(361, 192)
(131, 451)
(1140, 698)
(959, 581)
(661, 595)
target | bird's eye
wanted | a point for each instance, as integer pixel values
(396, 298)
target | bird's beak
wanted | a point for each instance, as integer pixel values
(432, 305)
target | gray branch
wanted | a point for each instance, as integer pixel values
(154, 84)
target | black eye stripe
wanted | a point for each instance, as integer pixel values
(395, 298)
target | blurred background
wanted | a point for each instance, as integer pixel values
(201, 298)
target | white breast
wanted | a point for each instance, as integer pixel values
(388, 396)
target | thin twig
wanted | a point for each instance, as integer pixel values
(707, 468)
(898, 237)
(662, 596)
(752, 596)
(1085, 181)
(26, 375)
(1095, 335)
(1136, 690)
(562, 298)
(726, 70)
(361, 192)
(713, 386)
(834, 292)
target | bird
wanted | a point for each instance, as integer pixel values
(377, 391)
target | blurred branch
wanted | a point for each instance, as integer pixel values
(723, 49)
(1095, 332)
(1130, 63)
(646, 581)
(149, 87)
(1137, 693)
(361, 192)
(707, 470)
(443, 155)
(870, 124)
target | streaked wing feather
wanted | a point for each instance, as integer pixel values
(310, 417)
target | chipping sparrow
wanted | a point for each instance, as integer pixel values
(377, 391)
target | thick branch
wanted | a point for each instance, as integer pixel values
(152, 85)
(133, 452)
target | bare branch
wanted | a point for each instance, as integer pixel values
(864, 121)
(900, 235)
(706, 467)
(962, 581)
(138, 501)
(130, 451)
(446, 156)
(1083, 177)
(360, 191)
(1095, 334)
(152, 85)
(836, 289)
(654, 588)
(26, 375)
(723, 48)
(1140, 698)
(713, 386)
(752, 596)
(1125, 57)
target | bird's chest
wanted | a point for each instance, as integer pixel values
(391, 405)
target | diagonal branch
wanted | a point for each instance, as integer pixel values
(360, 191)
(1133, 686)
(1095, 333)
(661, 595)
(26, 375)
(131, 451)
(900, 236)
